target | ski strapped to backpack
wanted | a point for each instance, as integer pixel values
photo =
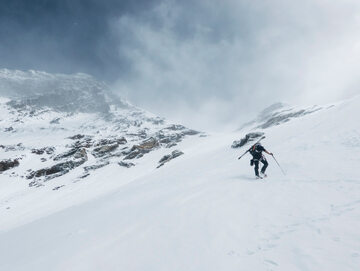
(252, 146)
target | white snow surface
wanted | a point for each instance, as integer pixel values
(202, 211)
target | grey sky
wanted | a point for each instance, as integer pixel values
(204, 63)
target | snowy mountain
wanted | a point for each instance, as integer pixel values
(69, 93)
(121, 189)
(78, 123)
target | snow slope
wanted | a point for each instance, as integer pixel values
(202, 211)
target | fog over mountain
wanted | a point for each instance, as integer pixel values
(89, 184)
(201, 135)
(193, 61)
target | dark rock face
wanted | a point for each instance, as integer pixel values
(185, 131)
(17, 147)
(77, 137)
(167, 139)
(190, 132)
(277, 119)
(146, 146)
(86, 142)
(107, 141)
(107, 146)
(169, 157)
(47, 150)
(170, 145)
(277, 114)
(173, 134)
(124, 164)
(77, 156)
(176, 127)
(56, 170)
(97, 166)
(248, 138)
(283, 116)
(80, 154)
(81, 141)
(58, 187)
(84, 175)
(103, 150)
(66, 154)
(74, 152)
(55, 121)
(7, 164)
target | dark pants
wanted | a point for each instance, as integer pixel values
(256, 163)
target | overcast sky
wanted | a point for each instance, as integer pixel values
(209, 64)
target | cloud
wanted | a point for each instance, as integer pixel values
(243, 54)
(205, 63)
(65, 36)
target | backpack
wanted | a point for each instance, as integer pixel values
(253, 149)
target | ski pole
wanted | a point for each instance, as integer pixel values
(252, 146)
(278, 165)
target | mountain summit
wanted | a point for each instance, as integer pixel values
(54, 125)
(68, 93)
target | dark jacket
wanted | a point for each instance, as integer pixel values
(256, 151)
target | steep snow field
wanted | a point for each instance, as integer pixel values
(203, 210)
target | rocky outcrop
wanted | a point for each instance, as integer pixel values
(66, 154)
(58, 187)
(76, 116)
(107, 146)
(86, 142)
(277, 114)
(17, 147)
(185, 131)
(76, 137)
(173, 134)
(248, 138)
(47, 150)
(55, 121)
(7, 164)
(169, 157)
(96, 166)
(138, 151)
(55, 171)
(81, 154)
(75, 158)
(169, 138)
(103, 150)
(281, 117)
(280, 113)
(125, 164)
(110, 141)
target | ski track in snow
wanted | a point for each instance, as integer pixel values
(202, 211)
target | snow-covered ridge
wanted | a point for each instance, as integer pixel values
(56, 124)
(67, 93)
(16, 83)
(204, 203)
(279, 113)
(128, 191)
(61, 124)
